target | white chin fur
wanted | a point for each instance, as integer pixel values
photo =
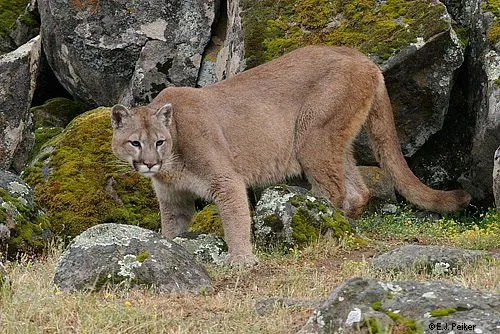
(148, 172)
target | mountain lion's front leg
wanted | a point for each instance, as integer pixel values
(176, 209)
(229, 194)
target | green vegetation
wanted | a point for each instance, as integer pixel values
(9, 12)
(142, 256)
(57, 112)
(405, 325)
(273, 28)
(27, 236)
(442, 312)
(471, 231)
(81, 183)
(493, 32)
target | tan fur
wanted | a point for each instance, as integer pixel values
(296, 114)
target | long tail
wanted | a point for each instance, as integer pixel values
(382, 132)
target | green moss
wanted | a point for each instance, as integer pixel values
(405, 325)
(442, 312)
(74, 195)
(303, 232)
(142, 256)
(273, 28)
(29, 226)
(42, 136)
(208, 221)
(57, 112)
(493, 33)
(376, 306)
(9, 12)
(374, 326)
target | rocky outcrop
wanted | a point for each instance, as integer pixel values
(476, 100)
(18, 72)
(109, 51)
(290, 217)
(23, 228)
(371, 306)
(224, 56)
(433, 259)
(80, 183)
(112, 254)
(496, 178)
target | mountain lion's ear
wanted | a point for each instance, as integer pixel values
(165, 112)
(118, 113)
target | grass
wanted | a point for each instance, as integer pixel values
(32, 304)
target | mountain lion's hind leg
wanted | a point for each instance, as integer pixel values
(323, 164)
(356, 191)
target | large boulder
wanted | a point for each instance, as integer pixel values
(371, 306)
(18, 73)
(107, 51)
(23, 228)
(114, 254)
(476, 102)
(79, 182)
(413, 42)
(433, 259)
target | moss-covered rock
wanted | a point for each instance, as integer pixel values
(291, 217)
(493, 33)
(80, 183)
(377, 28)
(24, 228)
(57, 112)
(9, 12)
(208, 221)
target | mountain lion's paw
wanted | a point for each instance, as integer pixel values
(246, 260)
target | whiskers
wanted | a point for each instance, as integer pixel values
(120, 166)
(170, 162)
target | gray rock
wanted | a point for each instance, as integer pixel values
(23, 228)
(206, 248)
(479, 93)
(18, 72)
(362, 305)
(114, 254)
(426, 70)
(104, 52)
(436, 259)
(496, 178)
(225, 56)
(290, 216)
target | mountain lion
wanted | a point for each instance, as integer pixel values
(296, 114)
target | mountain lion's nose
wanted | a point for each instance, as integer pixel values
(149, 164)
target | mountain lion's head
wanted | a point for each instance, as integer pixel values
(141, 137)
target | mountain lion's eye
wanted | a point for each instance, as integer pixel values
(159, 142)
(135, 143)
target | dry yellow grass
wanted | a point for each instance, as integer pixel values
(33, 305)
